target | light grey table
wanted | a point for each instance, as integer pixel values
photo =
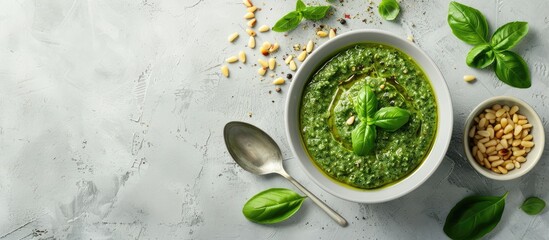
(111, 118)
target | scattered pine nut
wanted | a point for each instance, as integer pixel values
(279, 81)
(225, 70)
(272, 63)
(251, 42)
(251, 9)
(248, 3)
(301, 57)
(469, 78)
(322, 34)
(252, 22)
(262, 71)
(231, 59)
(310, 46)
(232, 37)
(264, 28)
(242, 56)
(332, 33)
(250, 32)
(410, 38)
(266, 45)
(350, 121)
(293, 66)
(249, 15)
(263, 63)
(289, 59)
(274, 47)
(264, 51)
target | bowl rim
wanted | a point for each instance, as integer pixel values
(442, 136)
(540, 142)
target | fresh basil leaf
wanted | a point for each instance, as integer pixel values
(299, 5)
(365, 104)
(363, 139)
(388, 9)
(474, 217)
(511, 69)
(315, 12)
(289, 22)
(480, 56)
(272, 205)
(509, 35)
(391, 118)
(467, 23)
(533, 206)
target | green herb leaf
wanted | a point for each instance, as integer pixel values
(272, 205)
(511, 69)
(365, 104)
(474, 217)
(480, 56)
(363, 139)
(391, 118)
(467, 23)
(299, 5)
(289, 22)
(533, 206)
(388, 9)
(315, 12)
(509, 35)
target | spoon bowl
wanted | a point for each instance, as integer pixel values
(256, 152)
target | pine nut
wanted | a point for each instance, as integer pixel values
(310, 46)
(264, 51)
(502, 170)
(497, 163)
(518, 130)
(487, 164)
(469, 78)
(264, 28)
(231, 59)
(527, 144)
(293, 66)
(500, 112)
(250, 32)
(251, 42)
(510, 166)
(272, 63)
(490, 143)
(252, 22)
(274, 47)
(479, 156)
(483, 133)
(520, 159)
(322, 34)
(496, 107)
(519, 153)
(301, 57)
(522, 122)
(332, 33)
(490, 116)
(279, 81)
(482, 122)
(517, 164)
(493, 158)
(251, 9)
(288, 59)
(504, 144)
(499, 134)
(513, 110)
(248, 3)
(263, 63)
(484, 140)
(232, 37)
(481, 147)
(472, 131)
(350, 121)
(242, 56)
(491, 150)
(499, 147)
(225, 70)
(516, 142)
(261, 71)
(526, 126)
(495, 170)
(504, 122)
(249, 15)
(521, 117)
(515, 118)
(497, 127)
(528, 137)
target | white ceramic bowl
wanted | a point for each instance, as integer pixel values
(444, 125)
(537, 131)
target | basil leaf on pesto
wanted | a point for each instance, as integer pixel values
(511, 69)
(480, 56)
(391, 118)
(365, 104)
(389, 9)
(363, 139)
(509, 35)
(272, 205)
(467, 23)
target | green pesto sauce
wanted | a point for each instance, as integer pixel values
(397, 81)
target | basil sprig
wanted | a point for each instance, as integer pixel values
(292, 19)
(388, 9)
(469, 25)
(533, 206)
(272, 205)
(363, 137)
(474, 217)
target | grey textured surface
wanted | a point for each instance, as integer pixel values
(112, 115)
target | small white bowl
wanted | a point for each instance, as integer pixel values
(537, 131)
(444, 125)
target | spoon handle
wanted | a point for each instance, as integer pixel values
(333, 214)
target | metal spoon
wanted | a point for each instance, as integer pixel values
(258, 153)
